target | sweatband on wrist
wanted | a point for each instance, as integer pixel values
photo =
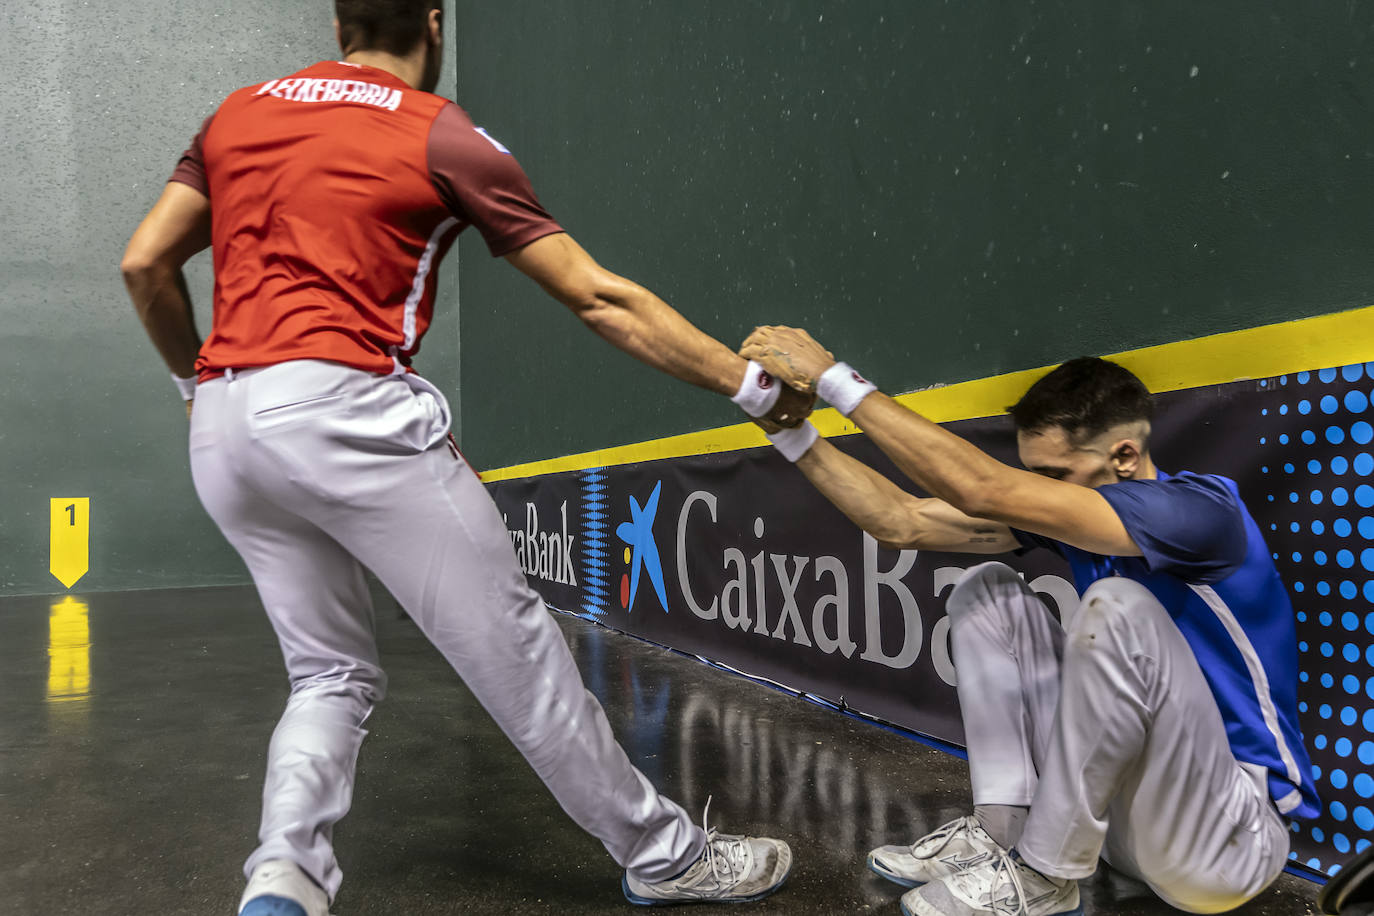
(187, 386)
(758, 392)
(794, 442)
(843, 388)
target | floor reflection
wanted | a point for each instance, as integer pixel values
(773, 768)
(69, 659)
(833, 786)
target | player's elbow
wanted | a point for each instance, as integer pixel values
(903, 528)
(142, 263)
(144, 274)
(136, 266)
(139, 272)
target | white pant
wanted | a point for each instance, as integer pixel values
(1112, 737)
(314, 471)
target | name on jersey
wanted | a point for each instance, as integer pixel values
(306, 89)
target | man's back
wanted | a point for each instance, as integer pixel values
(335, 192)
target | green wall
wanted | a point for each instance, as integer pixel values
(100, 101)
(938, 191)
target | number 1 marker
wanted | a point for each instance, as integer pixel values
(69, 543)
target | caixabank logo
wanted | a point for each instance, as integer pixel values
(641, 551)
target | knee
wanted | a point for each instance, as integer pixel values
(357, 684)
(982, 588)
(1115, 605)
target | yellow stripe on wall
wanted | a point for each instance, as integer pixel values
(1276, 349)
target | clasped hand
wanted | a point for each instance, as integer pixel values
(792, 357)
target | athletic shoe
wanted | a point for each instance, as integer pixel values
(731, 869)
(1005, 886)
(957, 846)
(280, 888)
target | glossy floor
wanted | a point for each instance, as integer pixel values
(134, 727)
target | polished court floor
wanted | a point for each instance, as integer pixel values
(134, 726)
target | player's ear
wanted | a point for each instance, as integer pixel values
(1125, 458)
(436, 26)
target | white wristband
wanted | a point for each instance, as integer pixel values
(794, 442)
(844, 388)
(187, 386)
(758, 392)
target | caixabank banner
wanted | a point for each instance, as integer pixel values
(734, 557)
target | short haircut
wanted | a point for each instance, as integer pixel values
(1085, 397)
(393, 26)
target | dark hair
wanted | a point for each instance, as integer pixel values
(1085, 397)
(393, 26)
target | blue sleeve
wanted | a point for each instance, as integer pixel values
(1190, 525)
(1029, 541)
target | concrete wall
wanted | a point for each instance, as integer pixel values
(100, 100)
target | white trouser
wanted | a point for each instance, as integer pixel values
(1112, 737)
(314, 471)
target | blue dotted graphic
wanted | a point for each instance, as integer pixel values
(1320, 511)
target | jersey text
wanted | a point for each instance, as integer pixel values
(315, 90)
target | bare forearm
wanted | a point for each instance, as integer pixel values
(635, 320)
(867, 498)
(940, 462)
(894, 517)
(163, 303)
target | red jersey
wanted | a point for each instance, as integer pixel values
(334, 193)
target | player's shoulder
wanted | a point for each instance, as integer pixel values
(1214, 488)
(454, 131)
(1178, 483)
(451, 118)
(1180, 500)
(451, 109)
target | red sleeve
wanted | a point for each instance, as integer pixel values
(481, 183)
(191, 169)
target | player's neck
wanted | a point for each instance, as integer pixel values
(409, 69)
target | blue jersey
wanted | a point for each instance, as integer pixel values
(1207, 563)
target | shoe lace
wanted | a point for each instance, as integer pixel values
(724, 856)
(1002, 869)
(935, 841)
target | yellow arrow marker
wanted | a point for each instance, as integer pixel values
(69, 550)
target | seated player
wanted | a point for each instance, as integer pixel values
(1157, 727)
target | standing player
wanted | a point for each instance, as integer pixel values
(1159, 732)
(329, 196)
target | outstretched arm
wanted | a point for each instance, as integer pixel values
(635, 320)
(176, 228)
(982, 486)
(894, 517)
(952, 468)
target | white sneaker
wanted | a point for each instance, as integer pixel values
(1006, 886)
(957, 846)
(280, 888)
(731, 869)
